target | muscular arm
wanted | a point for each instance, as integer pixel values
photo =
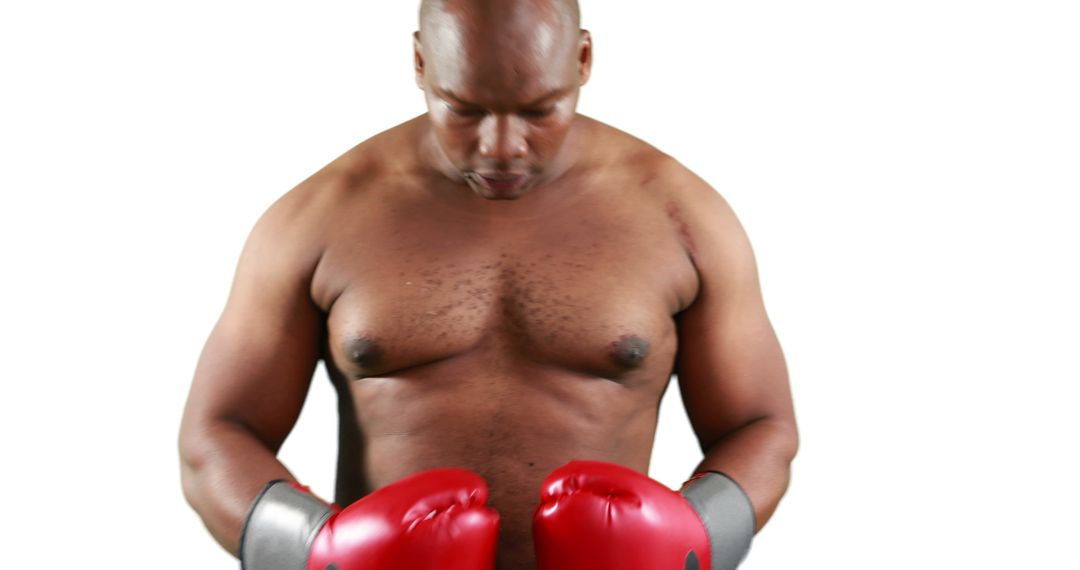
(730, 367)
(253, 375)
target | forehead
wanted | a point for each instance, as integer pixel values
(480, 58)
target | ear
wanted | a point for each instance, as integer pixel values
(418, 59)
(584, 56)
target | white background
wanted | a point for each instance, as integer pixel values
(907, 173)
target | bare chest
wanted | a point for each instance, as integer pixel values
(591, 290)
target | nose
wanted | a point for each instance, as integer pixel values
(502, 138)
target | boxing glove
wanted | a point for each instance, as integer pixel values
(433, 520)
(602, 516)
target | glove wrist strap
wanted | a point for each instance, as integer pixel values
(728, 516)
(280, 528)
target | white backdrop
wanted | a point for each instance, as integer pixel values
(907, 173)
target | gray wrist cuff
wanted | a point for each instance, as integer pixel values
(280, 528)
(728, 516)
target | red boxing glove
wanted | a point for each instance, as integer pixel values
(434, 520)
(601, 516)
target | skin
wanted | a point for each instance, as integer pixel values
(507, 332)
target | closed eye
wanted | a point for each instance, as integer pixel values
(465, 112)
(538, 113)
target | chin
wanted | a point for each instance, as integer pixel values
(488, 193)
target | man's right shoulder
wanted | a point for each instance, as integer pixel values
(295, 227)
(299, 209)
(305, 215)
(349, 177)
(345, 179)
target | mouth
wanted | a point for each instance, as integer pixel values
(500, 181)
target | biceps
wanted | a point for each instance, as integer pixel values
(730, 367)
(256, 366)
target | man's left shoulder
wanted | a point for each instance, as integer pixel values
(657, 174)
(682, 192)
(678, 182)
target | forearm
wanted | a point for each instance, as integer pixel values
(223, 469)
(758, 457)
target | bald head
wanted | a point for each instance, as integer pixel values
(500, 46)
(567, 11)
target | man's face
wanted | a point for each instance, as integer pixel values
(501, 97)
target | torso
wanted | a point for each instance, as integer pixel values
(508, 346)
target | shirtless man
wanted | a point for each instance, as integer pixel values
(500, 285)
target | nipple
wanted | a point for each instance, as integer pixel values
(629, 351)
(363, 351)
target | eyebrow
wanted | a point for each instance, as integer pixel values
(448, 94)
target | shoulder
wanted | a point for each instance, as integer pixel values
(309, 208)
(699, 217)
(294, 219)
(707, 226)
(699, 213)
(656, 171)
(702, 218)
(713, 237)
(614, 150)
(296, 227)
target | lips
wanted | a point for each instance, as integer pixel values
(501, 180)
(501, 176)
